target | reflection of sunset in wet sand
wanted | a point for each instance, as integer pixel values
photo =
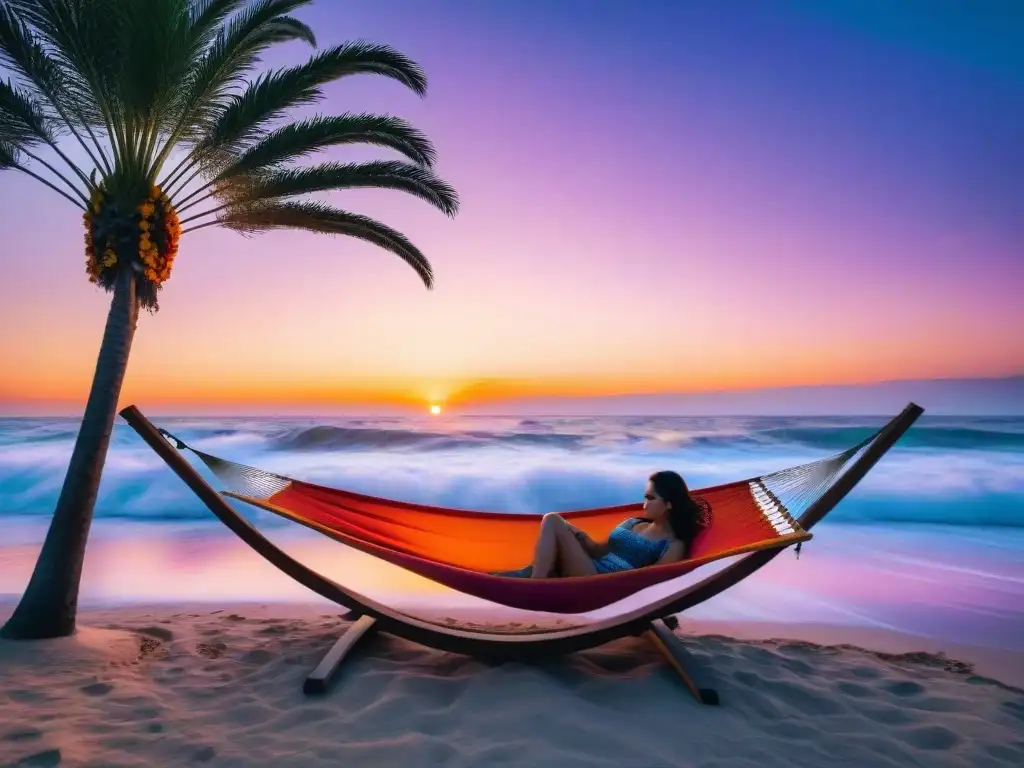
(846, 576)
(180, 566)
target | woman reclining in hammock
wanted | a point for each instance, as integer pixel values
(671, 521)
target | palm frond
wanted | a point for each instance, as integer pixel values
(22, 117)
(62, 92)
(74, 42)
(24, 124)
(324, 219)
(8, 154)
(270, 96)
(233, 51)
(303, 138)
(153, 61)
(380, 174)
(266, 98)
(23, 54)
(206, 17)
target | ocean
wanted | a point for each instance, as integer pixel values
(966, 472)
(942, 513)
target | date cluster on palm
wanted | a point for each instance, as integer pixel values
(140, 234)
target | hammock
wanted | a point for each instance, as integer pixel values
(456, 547)
(460, 548)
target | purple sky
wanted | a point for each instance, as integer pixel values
(657, 197)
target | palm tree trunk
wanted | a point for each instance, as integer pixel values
(50, 603)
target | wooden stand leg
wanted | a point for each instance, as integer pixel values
(321, 678)
(668, 644)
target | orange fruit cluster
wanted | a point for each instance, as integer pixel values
(159, 231)
(158, 222)
(96, 261)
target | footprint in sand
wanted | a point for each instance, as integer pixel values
(211, 650)
(274, 629)
(204, 755)
(97, 689)
(158, 632)
(149, 648)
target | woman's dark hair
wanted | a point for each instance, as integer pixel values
(685, 516)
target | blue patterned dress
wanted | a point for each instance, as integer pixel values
(628, 549)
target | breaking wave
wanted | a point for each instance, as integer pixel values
(953, 471)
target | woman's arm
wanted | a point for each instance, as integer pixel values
(676, 551)
(592, 547)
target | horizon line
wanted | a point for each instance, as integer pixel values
(685, 400)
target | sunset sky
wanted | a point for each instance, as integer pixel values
(656, 197)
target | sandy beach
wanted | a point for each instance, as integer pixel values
(198, 684)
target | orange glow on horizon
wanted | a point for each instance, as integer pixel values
(64, 383)
(68, 394)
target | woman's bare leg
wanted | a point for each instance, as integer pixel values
(545, 553)
(557, 545)
(572, 558)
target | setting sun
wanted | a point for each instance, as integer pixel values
(435, 410)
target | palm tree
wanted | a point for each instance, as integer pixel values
(133, 83)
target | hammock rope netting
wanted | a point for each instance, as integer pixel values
(462, 548)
